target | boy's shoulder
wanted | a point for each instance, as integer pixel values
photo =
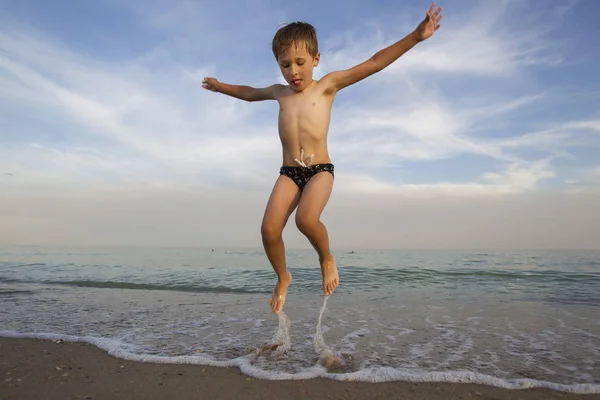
(272, 92)
(279, 90)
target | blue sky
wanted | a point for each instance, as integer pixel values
(103, 99)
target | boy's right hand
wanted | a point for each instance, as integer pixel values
(210, 84)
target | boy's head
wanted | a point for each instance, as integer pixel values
(296, 50)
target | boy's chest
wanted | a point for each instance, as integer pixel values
(304, 105)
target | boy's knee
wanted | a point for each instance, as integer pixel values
(305, 223)
(270, 231)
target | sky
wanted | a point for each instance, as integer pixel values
(485, 136)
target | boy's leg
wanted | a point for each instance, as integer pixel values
(312, 203)
(282, 202)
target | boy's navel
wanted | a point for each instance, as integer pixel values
(301, 161)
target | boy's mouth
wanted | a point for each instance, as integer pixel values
(297, 82)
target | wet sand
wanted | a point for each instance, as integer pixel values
(43, 369)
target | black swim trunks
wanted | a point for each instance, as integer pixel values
(301, 175)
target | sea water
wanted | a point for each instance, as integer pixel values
(508, 319)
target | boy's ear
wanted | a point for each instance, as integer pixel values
(317, 59)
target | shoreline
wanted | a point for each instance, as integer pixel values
(40, 368)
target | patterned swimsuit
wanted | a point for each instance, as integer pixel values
(302, 174)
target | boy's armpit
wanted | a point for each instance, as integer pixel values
(267, 93)
(340, 79)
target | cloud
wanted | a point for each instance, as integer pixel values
(184, 129)
(585, 178)
(557, 139)
(187, 133)
(517, 178)
(514, 179)
(593, 125)
(179, 127)
(488, 40)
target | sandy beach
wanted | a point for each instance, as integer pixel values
(43, 369)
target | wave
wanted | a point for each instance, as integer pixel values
(144, 286)
(138, 286)
(244, 281)
(373, 374)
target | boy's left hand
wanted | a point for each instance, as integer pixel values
(430, 24)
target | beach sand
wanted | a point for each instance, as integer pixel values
(43, 369)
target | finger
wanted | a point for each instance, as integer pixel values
(431, 8)
(437, 21)
(437, 27)
(437, 12)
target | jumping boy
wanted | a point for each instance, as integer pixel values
(306, 176)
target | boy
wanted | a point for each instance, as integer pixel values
(306, 176)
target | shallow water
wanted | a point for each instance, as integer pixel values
(507, 319)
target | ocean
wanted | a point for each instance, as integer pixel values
(509, 319)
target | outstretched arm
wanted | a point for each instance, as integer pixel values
(242, 92)
(341, 79)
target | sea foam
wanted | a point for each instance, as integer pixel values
(373, 374)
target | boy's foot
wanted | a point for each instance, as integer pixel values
(330, 275)
(278, 299)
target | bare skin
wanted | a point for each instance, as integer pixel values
(311, 205)
(304, 117)
(303, 125)
(282, 202)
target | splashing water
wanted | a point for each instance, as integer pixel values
(327, 357)
(282, 336)
(281, 342)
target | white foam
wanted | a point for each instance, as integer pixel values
(373, 374)
(350, 340)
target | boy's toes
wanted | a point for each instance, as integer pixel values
(334, 285)
(277, 302)
(330, 276)
(330, 287)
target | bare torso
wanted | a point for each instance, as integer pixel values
(304, 123)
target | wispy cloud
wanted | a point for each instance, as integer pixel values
(183, 129)
(593, 125)
(491, 39)
(514, 179)
(176, 125)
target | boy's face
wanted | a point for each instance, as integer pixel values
(297, 66)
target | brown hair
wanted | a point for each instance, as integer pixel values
(298, 33)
